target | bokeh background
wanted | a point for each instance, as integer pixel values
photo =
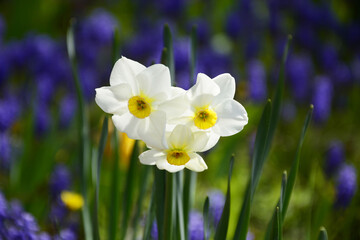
(39, 145)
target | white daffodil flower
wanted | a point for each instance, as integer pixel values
(134, 96)
(179, 151)
(211, 108)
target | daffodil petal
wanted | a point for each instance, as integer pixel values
(181, 137)
(204, 85)
(201, 139)
(175, 107)
(150, 157)
(154, 80)
(153, 131)
(196, 163)
(164, 165)
(124, 71)
(128, 124)
(213, 139)
(232, 118)
(110, 100)
(226, 84)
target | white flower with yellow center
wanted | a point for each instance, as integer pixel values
(134, 98)
(179, 151)
(211, 108)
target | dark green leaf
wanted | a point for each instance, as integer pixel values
(291, 179)
(169, 207)
(222, 227)
(142, 186)
(179, 206)
(323, 234)
(83, 134)
(206, 219)
(114, 192)
(103, 137)
(168, 44)
(159, 199)
(188, 194)
(129, 190)
(193, 54)
(150, 216)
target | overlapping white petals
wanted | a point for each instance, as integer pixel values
(174, 123)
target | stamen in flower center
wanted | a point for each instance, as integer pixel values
(177, 157)
(139, 107)
(205, 118)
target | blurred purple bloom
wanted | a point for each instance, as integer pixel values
(154, 231)
(3, 206)
(216, 205)
(342, 74)
(146, 46)
(45, 88)
(98, 28)
(306, 36)
(89, 81)
(346, 185)
(196, 226)
(250, 236)
(213, 63)
(322, 98)
(334, 157)
(257, 81)
(355, 68)
(170, 8)
(9, 112)
(58, 212)
(67, 234)
(17, 54)
(202, 29)
(5, 151)
(4, 66)
(68, 107)
(42, 118)
(182, 63)
(233, 25)
(60, 180)
(328, 57)
(299, 70)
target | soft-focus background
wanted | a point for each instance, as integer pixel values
(38, 128)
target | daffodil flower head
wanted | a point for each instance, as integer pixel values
(179, 152)
(211, 108)
(134, 97)
(71, 200)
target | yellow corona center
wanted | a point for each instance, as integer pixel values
(205, 118)
(177, 157)
(139, 107)
(72, 201)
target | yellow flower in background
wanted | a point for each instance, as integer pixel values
(72, 200)
(126, 148)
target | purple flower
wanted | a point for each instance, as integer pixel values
(328, 57)
(257, 81)
(59, 180)
(45, 88)
(42, 119)
(4, 66)
(182, 64)
(89, 81)
(67, 110)
(67, 234)
(146, 46)
(322, 98)
(5, 151)
(98, 28)
(346, 185)
(213, 63)
(233, 25)
(216, 205)
(334, 158)
(154, 231)
(342, 74)
(171, 8)
(9, 112)
(202, 29)
(299, 70)
(196, 226)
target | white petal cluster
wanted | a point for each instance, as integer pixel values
(174, 123)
